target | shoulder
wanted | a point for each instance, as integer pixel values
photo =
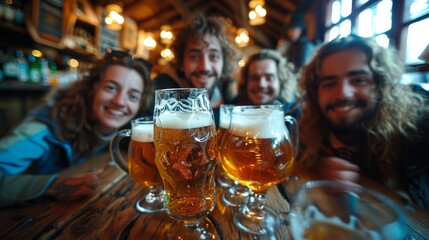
(29, 129)
(165, 80)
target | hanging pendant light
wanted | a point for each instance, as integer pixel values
(114, 18)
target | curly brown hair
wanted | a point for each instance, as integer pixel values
(287, 78)
(72, 105)
(195, 31)
(400, 109)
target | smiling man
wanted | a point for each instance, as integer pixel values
(203, 58)
(267, 79)
(360, 120)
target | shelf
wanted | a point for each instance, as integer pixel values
(11, 85)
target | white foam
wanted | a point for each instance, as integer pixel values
(259, 122)
(299, 223)
(142, 133)
(224, 120)
(181, 120)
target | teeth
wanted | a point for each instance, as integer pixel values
(344, 108)
(115, 112)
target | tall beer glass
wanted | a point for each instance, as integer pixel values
(259, 151)
(237, 194)
(140, 163)
(185, 143)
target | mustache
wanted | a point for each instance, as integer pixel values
(203, 74)
(342, 102)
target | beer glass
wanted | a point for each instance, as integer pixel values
(140, 162)
(185, 142)
(333, 210)
(258, 151)
(237, 194)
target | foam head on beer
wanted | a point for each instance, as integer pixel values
(142, 133)
(262, 122)
(182, 120)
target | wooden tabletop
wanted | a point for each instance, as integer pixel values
(110, 213)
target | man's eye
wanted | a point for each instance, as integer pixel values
(269, 78)
(327, 84)
(214, 57)
(360, 80)
(194, 56)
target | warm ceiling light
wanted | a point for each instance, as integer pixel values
(166, 34)
(257, 12)
(167, 54)
(149, 42)
(114, 18)
(242, 38)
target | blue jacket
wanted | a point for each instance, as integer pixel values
(31, 157)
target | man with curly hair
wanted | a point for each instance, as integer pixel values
(268, 79)
(203, 58)
(359, 119)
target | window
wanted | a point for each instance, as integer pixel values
(402, 24)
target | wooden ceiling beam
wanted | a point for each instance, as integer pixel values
(181, 8)
(257, 35)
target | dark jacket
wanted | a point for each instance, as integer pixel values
(300, 52)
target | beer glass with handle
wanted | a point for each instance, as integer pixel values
(186, 151)
(140, 163)
(259, 151)
(237, 194)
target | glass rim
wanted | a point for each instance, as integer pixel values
(180, 89)
(142, 120)
(357, 189)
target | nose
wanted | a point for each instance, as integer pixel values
(120, 98)
(263, 83)
(204, 64)
(345, 89)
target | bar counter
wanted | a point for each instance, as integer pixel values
(110, 213)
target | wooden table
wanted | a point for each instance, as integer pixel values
(110, 213)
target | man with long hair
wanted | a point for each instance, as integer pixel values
(268, 79)
(359, 119)
(203, 58)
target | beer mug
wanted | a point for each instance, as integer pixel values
(140, 163)
(334, 210)
(185, 143)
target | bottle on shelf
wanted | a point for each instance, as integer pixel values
(10, 67)
(35, 72)
(23, 69)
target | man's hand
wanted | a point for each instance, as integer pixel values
(74, 188)
(337, 169)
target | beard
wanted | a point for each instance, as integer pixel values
(352, 133)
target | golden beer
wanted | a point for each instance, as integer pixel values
(327, 231)
(220, 133)
(255, 164)
(141, 156)
(256, 150)
(186, 158)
